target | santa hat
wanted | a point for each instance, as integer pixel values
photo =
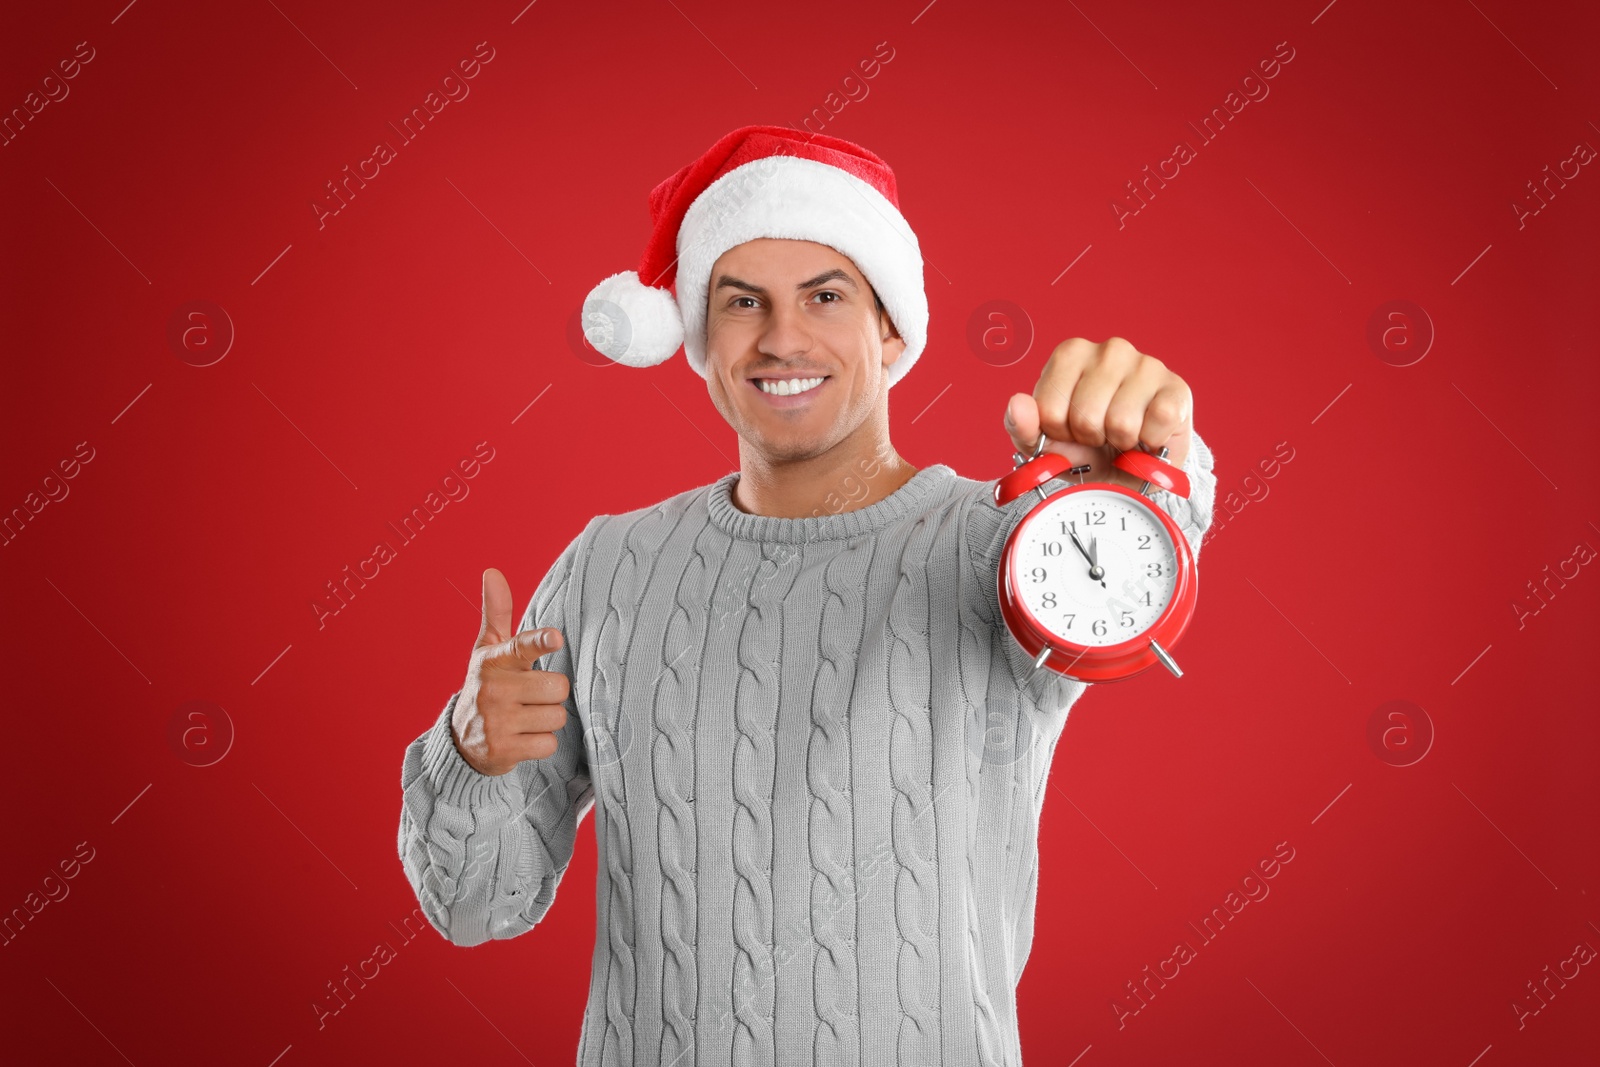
(759, 181)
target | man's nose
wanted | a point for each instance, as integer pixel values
(787, 333)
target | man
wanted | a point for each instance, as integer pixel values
(815, 754)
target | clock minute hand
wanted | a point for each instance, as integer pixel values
(1079, 545)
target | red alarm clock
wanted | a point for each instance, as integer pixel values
(1096, 581)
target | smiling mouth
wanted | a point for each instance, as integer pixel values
(781, 387)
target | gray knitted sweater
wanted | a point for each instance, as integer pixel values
(816, 760)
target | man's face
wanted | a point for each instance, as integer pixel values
(792, 312)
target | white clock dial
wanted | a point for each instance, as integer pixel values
(1052, 576)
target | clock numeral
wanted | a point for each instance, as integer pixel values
(1147, 599)
(1144, 542)
(1127, 619)
(1070, 617)
(1124, 522)
(1098, 518)
(1050, 548)
(1049, 600)
(1153, 569)
(1038, 574)
(1099, 627)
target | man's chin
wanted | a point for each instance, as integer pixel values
(786, 448)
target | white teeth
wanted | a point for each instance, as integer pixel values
(788, 386)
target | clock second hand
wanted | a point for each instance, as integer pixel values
(1094, 560)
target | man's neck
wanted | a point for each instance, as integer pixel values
(830, 484)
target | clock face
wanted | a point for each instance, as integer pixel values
(1051, 571)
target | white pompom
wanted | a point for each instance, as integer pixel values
(635, 324)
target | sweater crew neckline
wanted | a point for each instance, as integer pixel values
(928, 485)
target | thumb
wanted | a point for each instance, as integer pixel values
(497, 625)
(1022, 422)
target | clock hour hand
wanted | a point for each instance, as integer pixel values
(1089, 554)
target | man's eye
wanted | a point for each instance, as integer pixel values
(830, 292)
(739, 298)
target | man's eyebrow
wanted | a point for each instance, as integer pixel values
(835, 274)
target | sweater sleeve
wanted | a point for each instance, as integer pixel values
(485, 853)
(989, 524)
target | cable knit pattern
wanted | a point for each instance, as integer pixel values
(916, 892)
(830, 818)
(977, 653)
(607, 704)
(817, 760)
(755, 712)
(673, 763)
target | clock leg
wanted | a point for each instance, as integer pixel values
(1166, 660)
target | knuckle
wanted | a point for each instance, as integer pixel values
(489, 731)
(1068, 348)
(1082, 425)
(1166, 409)
(489, 692)
(1121, 430)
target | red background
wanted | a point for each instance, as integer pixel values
(373, 353)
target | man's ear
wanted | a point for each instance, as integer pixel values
(893, 344)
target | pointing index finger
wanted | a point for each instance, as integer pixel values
(523, 651)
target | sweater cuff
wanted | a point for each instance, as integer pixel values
(454, 780)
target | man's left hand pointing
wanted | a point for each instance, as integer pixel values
(1097, 400)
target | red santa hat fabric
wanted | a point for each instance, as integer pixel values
(759, 181)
